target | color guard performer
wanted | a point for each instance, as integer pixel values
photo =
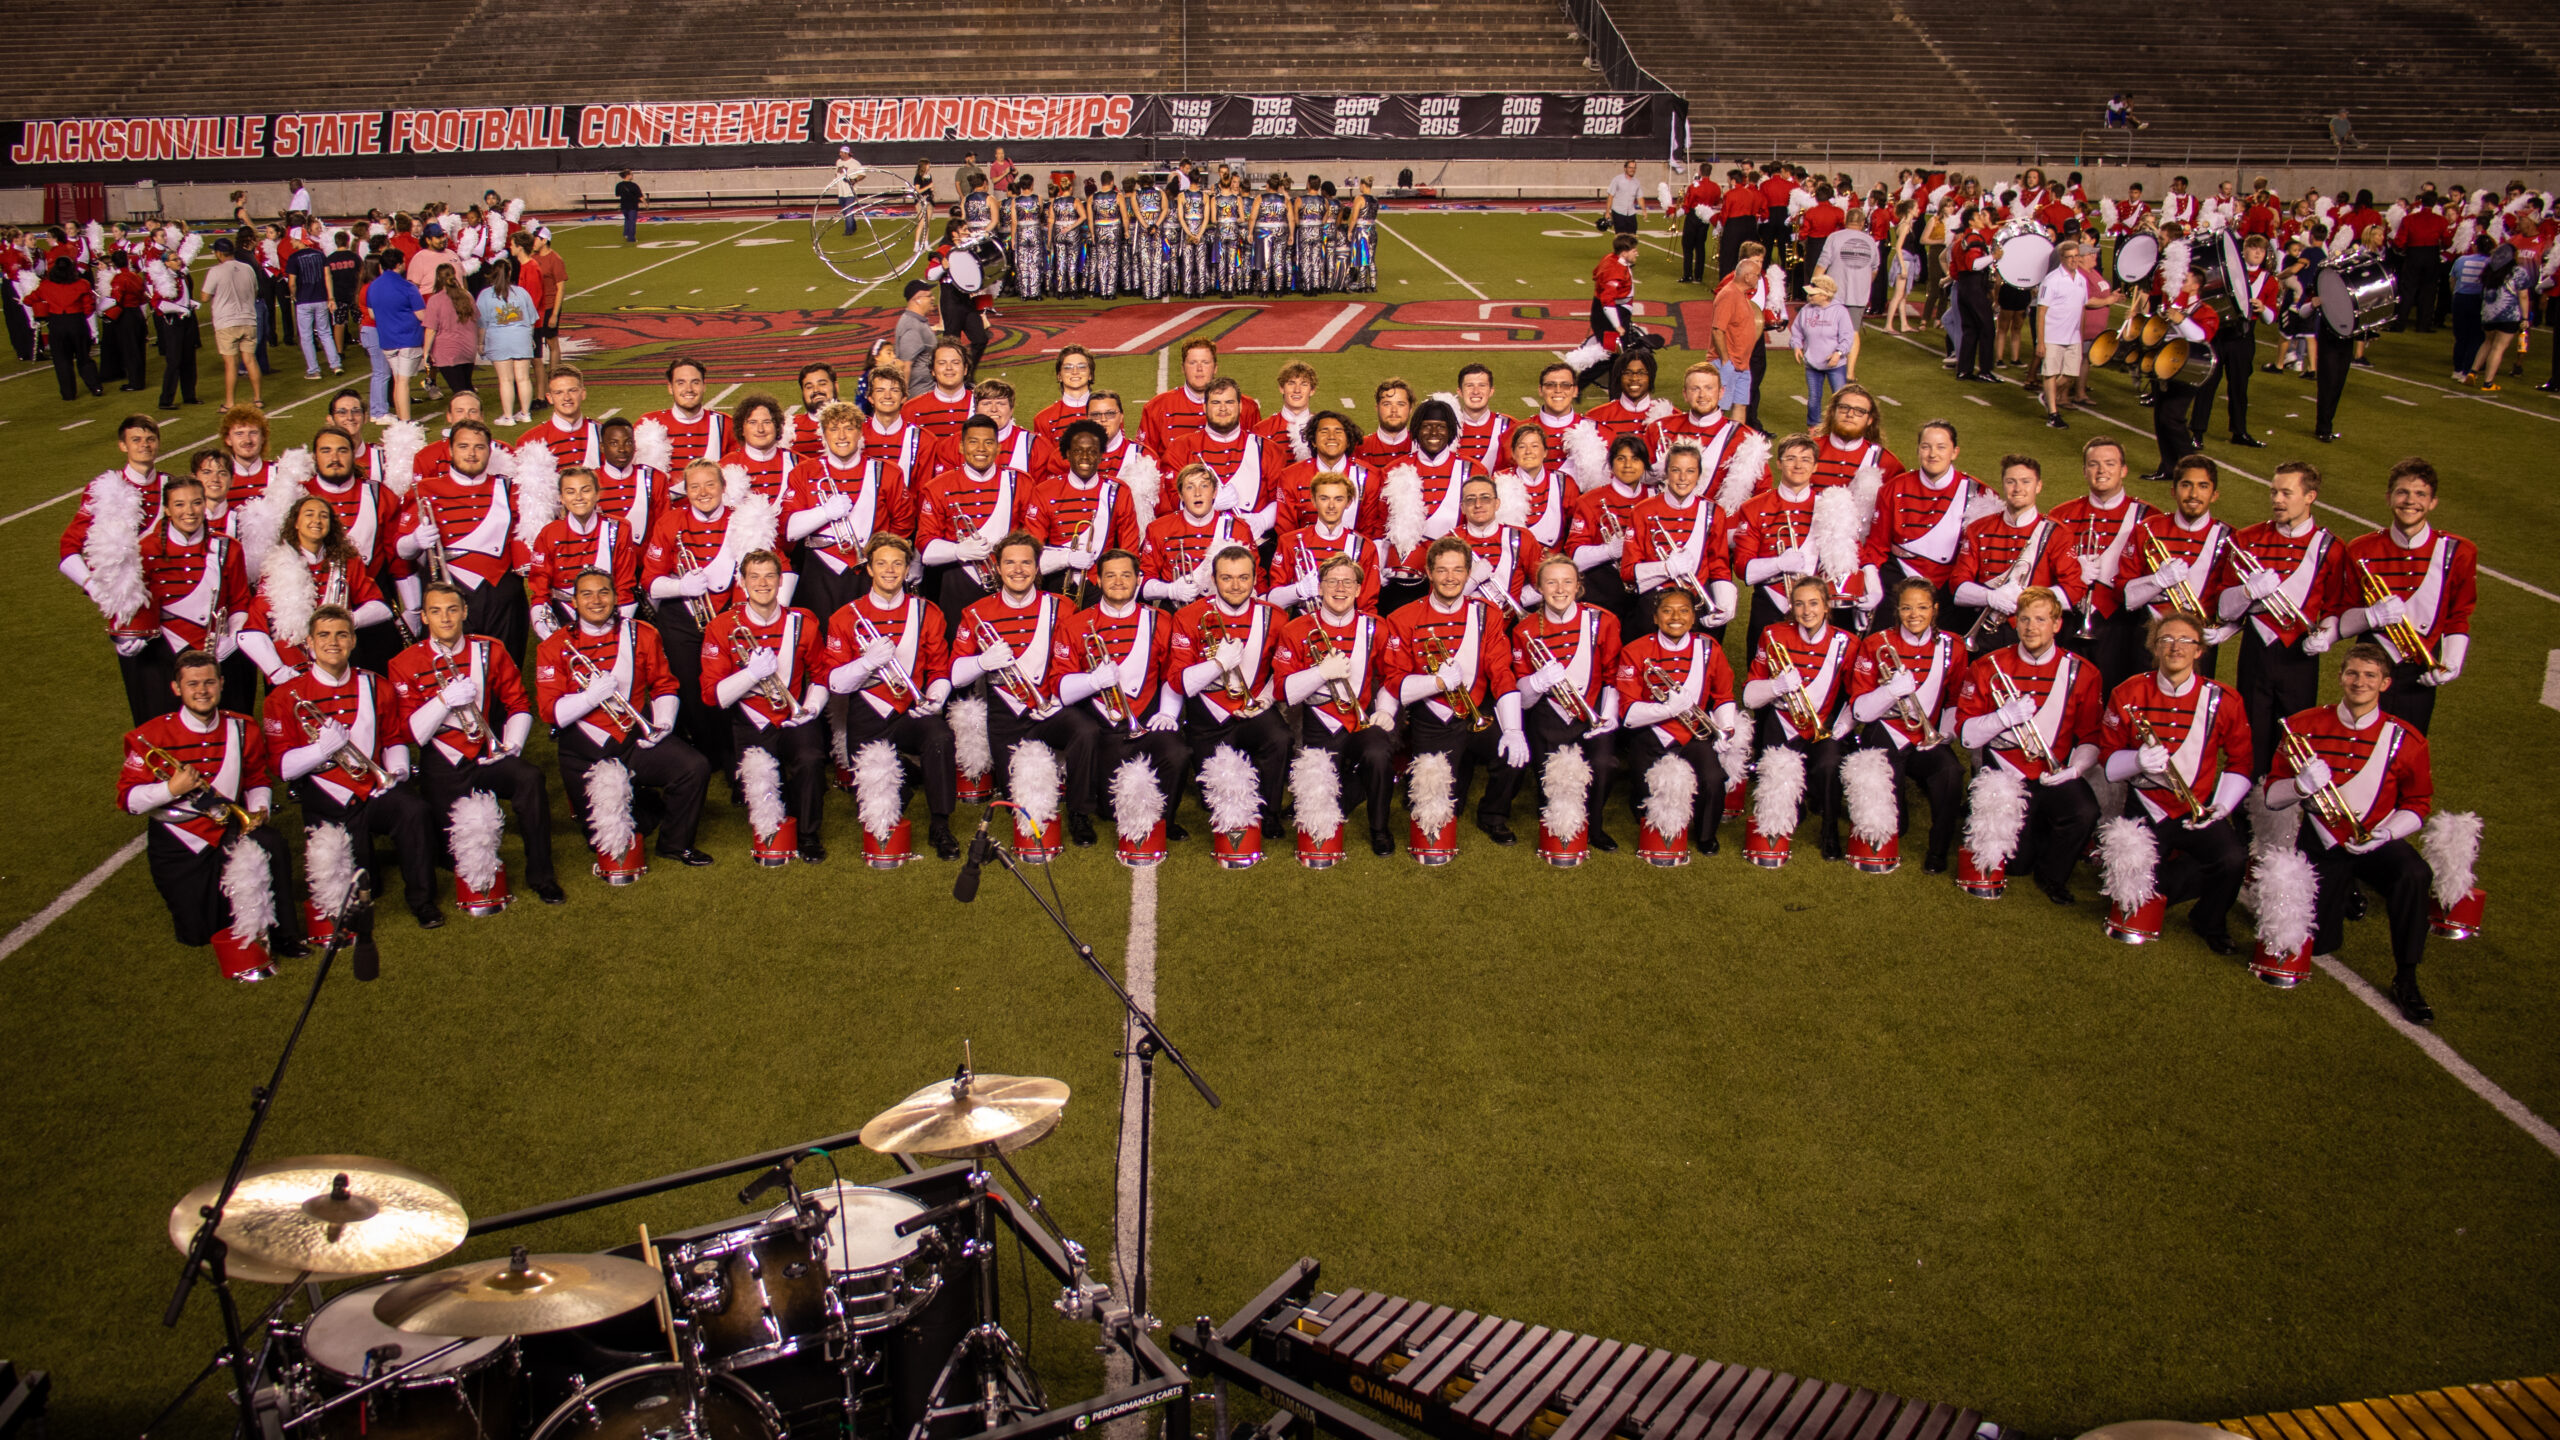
(2178, 737)
(583, 538)
(201, 774)
(2004, 554)
(1179, 546)
(1298, 558)
(695, 431)
(839, 501)
(889, 659)
(2283, 580)
(311, 566)
(617, 700)
(335, 734)
(690, 570)
(1115, 669)
(2419, 597)
(1799, 672)
(962, 514)
(2183, 555)
(1450, 667)
(1675, 542)
(1082, 512)
(1667, 682)
(1220, 658)
(2100, 525)
(464, 516)
(1331, 662)
(462, 701)
(1902, 692)
(1008, 638)
(763, 661)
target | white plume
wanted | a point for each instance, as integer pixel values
(609, 807)
(1037, 782)
(328, 864)
(1137, 799)
(735, 485)
(2128, 862)
(1299, 449)
(761, 776)
(502, 459)
(474, 831)
(2288, 894)
(1866, 485)
(515, 210)
(1586, 455)
(2451, 845)
(189, 248)
(1511, 491)
(754, 523)
(652, 446)
(1318, 787)
(1778, 799)
(1431, 792)
(537, 491)
(969, 736)
(1656, 408)
(401, 442)
(1835, 534)
(1670, 795)
(1982, 502)
(878, 780)
(1145, 479)
(285, 579)
(249, 888)
(1866, 778)
(1743, 468)
(113, 549)
(257, 524)
(1234, 793)
(1565, 782)
(1998, 818)
(1404, 509)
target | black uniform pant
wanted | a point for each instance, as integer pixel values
(1073, 732)
(1973, 297)
(675, 770)
(801, 751)
(1940, 776)
(2422, 280)
(2396, 871)
(2060, 820)
(2337, 358)
(1365, 760)
(397, 814)
(122, 338)
(1693, 248)
(2170, 411)
(1550, 732)
(961, 316)
(1427, 734)
(823, 590)
(2274, 681)
(699, 723)
(147, 676)
(191, 882)
(1759, 375)
(68, 336)
(1165, 752)
(177, 359)
(2206, 866)
(2235, 353)
(1261, 738)
(1730, 240)
(497, 609)
(2113, 643)
(1644, 745)
(22, 329)
(510, 778)
(2409, 699)
(953, 591)
(927, 738)
(1603, 586)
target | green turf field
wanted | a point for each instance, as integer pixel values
(1861, 1128)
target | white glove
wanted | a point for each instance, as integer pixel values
(1903, 683)
(1335, 667)
(650, 740)
(462, 691)
(1795, 560)
(2322, 637)
(1546, 677)
(397, 768)
(878, 653)
(763, 664)
(1130, 673)
(1383, 718)
(2154, 759)
(1867, 601)
(599, 690)
(2366, 847)
(1514, 749)
(802, 717)
(1229, 654)
(1163, 720)
(2090, 567)
(720, 574)
(2061, 776)
(1081, 559)
(1450, 676)
(997, 656)
(2170, 575)
(544, 622)
(1787, 681)
(835, 507)
(1616, 545)
(2005, 599)
(333, 735)
(2218, 634)
(1185, 590)
(2261, 583)
(693, 586)
(2015, 713)
(1478, 572)
(1715, 616)
(2441, 675)
(975, 546)
(1602, 725)
(2313, 777)
(2385, 613)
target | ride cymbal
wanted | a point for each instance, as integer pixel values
(328, 1215)
(973, 1114)
(520, 1295)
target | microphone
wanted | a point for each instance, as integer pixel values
(778, 1176)
(965, 889)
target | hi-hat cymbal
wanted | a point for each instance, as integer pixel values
(521, 1295)
(974, 1114)
(329, 1215)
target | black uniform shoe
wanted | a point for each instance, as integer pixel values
(2249, 440)
(1705, 842)
(551, 893)
(814, 851)
(686, 856)
(1934, 865)
(2055, 891)
(2155, 475)
(2326, 436)
(288, 949)
(1080, 829)
(2056, 422)
(946, 845)
(2221, 944)
(1174, 834)
(1601, 842)
(1381, 843)
(430, 915)
(2413, 1006)
(1497, 831)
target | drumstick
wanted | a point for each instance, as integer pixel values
(666, 1316)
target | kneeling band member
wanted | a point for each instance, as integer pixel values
(1902, 690)
(763, 662)
(604, 683)
(1330, 661)
(1450, 662)
(1568, 659)
(2033, 710)
(2180, 739)
(1009, 638)
(334, 731)
(891, 664)
(1114, 663)
(463, 702)
(1221, 658)
(1676, 692)
(197, 772)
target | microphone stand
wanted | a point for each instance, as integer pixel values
(1152, 1041)
(207, 1252)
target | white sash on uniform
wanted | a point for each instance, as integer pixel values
(2364, 787)
(1938, 543)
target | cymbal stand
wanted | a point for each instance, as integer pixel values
(1006, 1388)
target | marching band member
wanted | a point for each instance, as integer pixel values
(1848, 439)
(1507, 556)
(2183, 555)
(962, 513)
(1330, 438)
(128, 497)
(1283, 431)
(244, 439)
(366, 511)
(1450, 667)
(1613, 285)
(468, 511)
(1602, 521)
(2005, 553)
(1567, 659)
(1701, 418)
(1666, 681)
(1921, 515)
(312, 566)
(1331, 661)
(2369, 785)
(437, 454)
(1119, 449)
(938, 409)
(1083, 512)
(1074, 371)
(1674, 540)
(195, 581)
(2256, 289)
(220, 768)
(1009, 638)
(1771, 539)
(1116, 658)
(1179, 411)
(626, 489)
(1298, 557)
(1233, 453)
(2179, 738)
(2100, 525)
(334, 733)
(890, 658)
(1535, 491)
(1179, 546)
(2282, 594)
(462, 701)
(689, 568)
(695, 431)
(2033, 711)
(1440, 474)
(2197, 322)
(583, 538)
(817, 381)
(840, 500)
(1632, 406)
(1392, 440)
(1799, 671)
(2420, 597)
(566, 432)
(617, 701)
(761, 450)
(1556, 416)
(1018, 447)
(1220, 658)
(1484, 433)
(889, 434)
(763, 661)
(1902, 691)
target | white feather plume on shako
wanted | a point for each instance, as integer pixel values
(515, 210)
(2128, 862)
(1657, 408)
(113, 549)
(1300, 451)
(2288, 895)
(735, 485)
(1404, 508)
(1565, 783)
(328, 866)
(1234, 791)
(1137, 800)
(2176, 258)
(653, 447)
(1865, 486)
(754, 522)
(760, 775)
(2451, 845)
(1743, 468)
(1511, 498)
(1986, 502)
(969, 736)
(1778, 797)
(1318, 787)
(1997, 819)
(401, 442)
(1037, 784)
(2271, 829)
(537, 491)
(1866, 780)
(189, 248)
(1670, 795)
(878, 781)
(250, 889)
(291, 597)
(474, 831)
(260, 523)
(1586, 455)
(1145, 479)
(1834, 534)
(1432, 792)
(609, 807)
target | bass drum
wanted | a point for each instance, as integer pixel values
(2357, 295)
(2024, 248)
(652, 1402)
(471, 1394)
(2136, 257)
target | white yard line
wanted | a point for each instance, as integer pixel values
(681, 254)
(23, 374)
(2551, 680)
(725, 394)
(164, 455)
(2443, 1054)
(2378, 373)
(34, 925)
(1427, 255)
(1138, 973)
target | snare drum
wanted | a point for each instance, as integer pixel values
(755, 1293)
(2025, 250)
(650, 1401)
(470, 1394)
(2357, 295)
(2136, 257)
(880, 1277)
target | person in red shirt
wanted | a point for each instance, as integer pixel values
(62, 304)
(210, 763)
(1744, 208)
(1114, 663)
(583, 538)
(695, 431)
(817, 391)
(2180, 559)
(1450, 668)
(2420, 241)
(1902, 693)
(839, 501)
(764, 663)
(1392, 440)
(1675, 690)
(1018, 447)
(2004, 554)
(1698, 206)
(616, 700)
(1083, 512)
(2281, 596)
(2181, 740)
(1074, 371)
(1220, 658)
(1331, 661)
(1613, 285)
(1799, 675)
(1183, 409)
(2033, 712)
(1814, 226)
(335, 735)
(961, 514)
(1006, 639)
(311, 566)
(463, 703)
(889, 660)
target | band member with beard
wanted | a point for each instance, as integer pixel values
(839, 501)
(366, 510)
(888, 657)
(627, 676)
(1234, 454)
(1185, 408)
(1663, 679)
(1392, 440)
(1331, 437)
(807, 438)
(1850, 438)
(1902, 692)
(470, 512)
(1450, 666)
(1331, 661)
(1083, 513)
(695, 431)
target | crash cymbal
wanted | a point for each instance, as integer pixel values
(329, 1215)
(520, 1295)
(969, 1115)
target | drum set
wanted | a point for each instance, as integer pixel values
(848, 1308)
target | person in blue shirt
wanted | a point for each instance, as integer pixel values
(398, 329)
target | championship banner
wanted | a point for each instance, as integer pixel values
(884, 130)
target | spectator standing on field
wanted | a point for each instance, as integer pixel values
(453, 330)
(1626, 200)
(307, 270)
(399, 329)
(507, 313)
(555, 293)
(231, 295)
(626, 193)
(1850, 257)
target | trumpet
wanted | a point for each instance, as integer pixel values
(2090, 547)
(1012, 681)
(2182, 596)
(355, 761)
(1355, 716)
(2404, 634)
(1660, 687)
(335, 592)
(1240, 696)
(1308, 569)
(584, 671)
(435, 565)
(2030, 740)
(2175, 783)
(1115, 702)
(468, 718)
(2329, 802)
(742, 648)
(2279, 604)
(2021, 565)
(203, 800)
(1665, 547)
(1433, 655)
(1567, 694)
(1799, 706)
(1908, 708)
(698, 606)
(900, 682)
(839, 530)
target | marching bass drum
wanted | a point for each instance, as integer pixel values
(2024, 248)
(2136, 257)
(2357, 295)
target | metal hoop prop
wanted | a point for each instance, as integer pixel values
(865, 230)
